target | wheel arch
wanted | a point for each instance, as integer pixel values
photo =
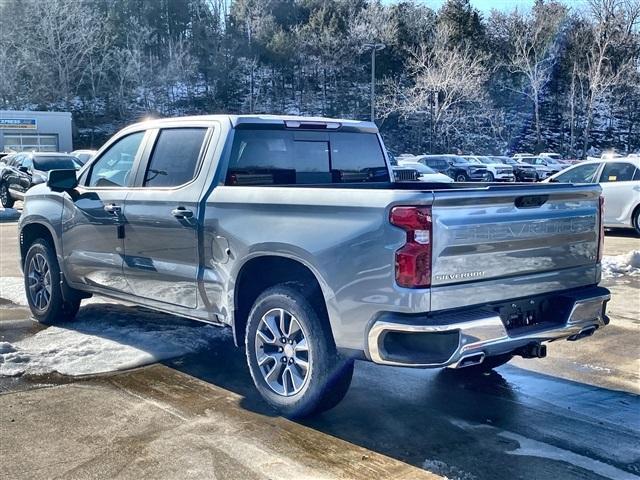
(260, 272)
(635, 212)
(31, 231)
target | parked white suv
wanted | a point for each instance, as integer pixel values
(496, 171)
(620, 182)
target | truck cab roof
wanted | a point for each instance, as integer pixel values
(283, 121)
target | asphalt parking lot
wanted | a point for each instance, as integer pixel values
(573, 415)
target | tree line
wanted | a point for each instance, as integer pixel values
(549, 78)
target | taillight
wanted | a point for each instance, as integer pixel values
(413, 260)
(601, 219)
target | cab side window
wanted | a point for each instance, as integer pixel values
(175, 157)
(113, 168)
(617, 172)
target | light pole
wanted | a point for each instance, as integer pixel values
(373, 47)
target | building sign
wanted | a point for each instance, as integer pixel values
(19, 123)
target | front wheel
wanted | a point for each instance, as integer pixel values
(5, 197)
(490, 177)
(43, 288)
(291, 355)
(462, 177)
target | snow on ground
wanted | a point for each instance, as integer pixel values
(12, 289)
(105, 337)
(618, 265)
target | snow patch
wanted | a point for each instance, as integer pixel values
(12, 289)
(446, 471)
(533, 448)
(614, 266)
(9, 214)
(106, 338)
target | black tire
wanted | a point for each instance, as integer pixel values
(462, 177)
(57, 309)
(537, 178)
(5, 196)
(490, 177)
(328, 377)
(486, 366)
(636, 220)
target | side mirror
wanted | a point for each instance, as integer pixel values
(62, 180)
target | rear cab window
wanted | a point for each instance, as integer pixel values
(288, 157)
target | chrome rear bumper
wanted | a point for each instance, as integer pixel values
(482, 334)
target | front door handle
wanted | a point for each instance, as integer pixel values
(113, 208)
(181, 212)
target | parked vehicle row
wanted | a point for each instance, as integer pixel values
(24, 170)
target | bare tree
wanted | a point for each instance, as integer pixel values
(532, 54)
(604, 68)
(68, 32)
(446, 83)
(12, 64)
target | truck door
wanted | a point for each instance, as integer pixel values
(161, 231)
(93, 219)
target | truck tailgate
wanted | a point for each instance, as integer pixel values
(494, 243)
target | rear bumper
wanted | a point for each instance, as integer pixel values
(451, 338)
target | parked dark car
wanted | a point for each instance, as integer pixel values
(24, 170)
(523, 171)
(458, 168)
(84, 155)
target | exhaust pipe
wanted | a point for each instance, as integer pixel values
(585, 332)
(532, 350)
(470, 360)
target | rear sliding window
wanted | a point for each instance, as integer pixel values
(285, 157)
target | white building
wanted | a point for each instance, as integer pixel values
(22, 131)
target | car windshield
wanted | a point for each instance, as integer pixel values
(54, 163)
(486, 160)
(459, 160)
(498, 160)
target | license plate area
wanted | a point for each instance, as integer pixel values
(532, 312)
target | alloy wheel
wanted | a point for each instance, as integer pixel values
(39, 276)
(282, 352)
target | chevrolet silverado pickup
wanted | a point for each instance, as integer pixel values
(294, 233)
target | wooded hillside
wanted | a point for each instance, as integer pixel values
(549, 79)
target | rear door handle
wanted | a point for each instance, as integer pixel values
(113, 208)
(181, 212)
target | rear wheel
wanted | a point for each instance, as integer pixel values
(636, 220)
(43, 288)
(5, 197)
(291, 356)
(462, 177)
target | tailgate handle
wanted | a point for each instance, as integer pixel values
(531, 201)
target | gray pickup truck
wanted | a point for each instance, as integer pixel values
(293, 232)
